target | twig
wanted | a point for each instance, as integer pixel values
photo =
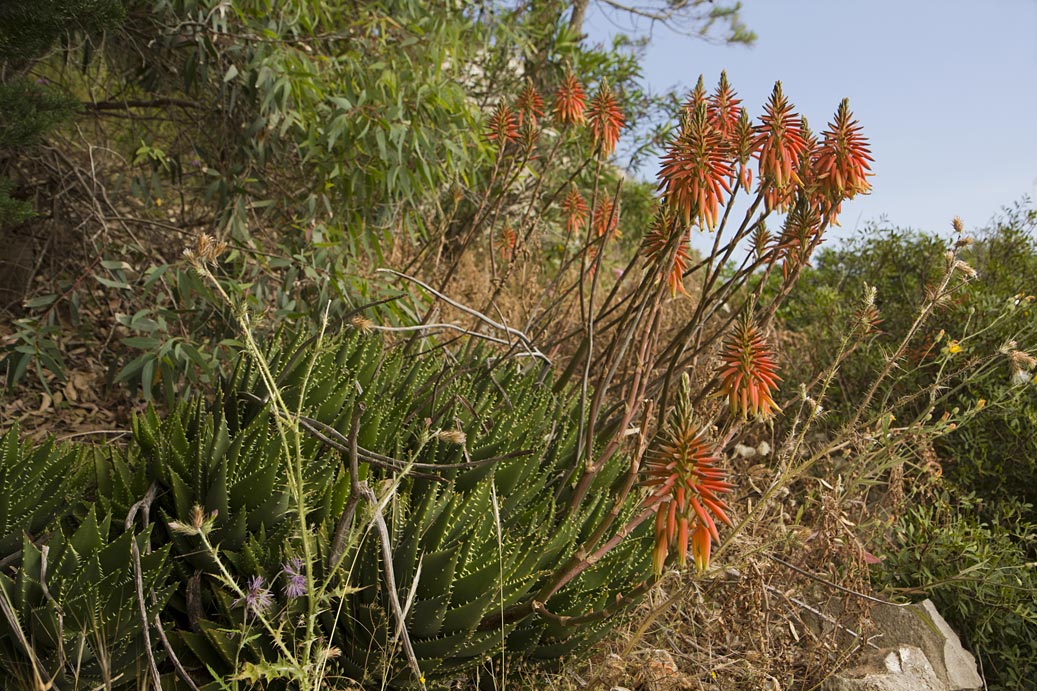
(117, 432)
(331, 437)
(154, 103)
(818, 613)
(138, 579)
(475, 313)
(338, 442)
(44, 553)
(390, 581)
(830, 584)
(338, 543)
(172, 655)
(360, 489)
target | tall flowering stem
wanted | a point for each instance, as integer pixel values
(685, 488)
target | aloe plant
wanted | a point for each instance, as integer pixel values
(475, 465)
(475, 470)
(71, 615)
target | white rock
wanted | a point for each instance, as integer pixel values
(900, 669)
(921, 625)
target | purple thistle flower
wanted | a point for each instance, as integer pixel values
(296, 585)
(258, 599)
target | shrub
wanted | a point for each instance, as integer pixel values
(965, 407)
(980, 573)
(990, 320)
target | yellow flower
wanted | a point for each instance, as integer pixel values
(953, 347)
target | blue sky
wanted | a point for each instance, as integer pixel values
(946, 91)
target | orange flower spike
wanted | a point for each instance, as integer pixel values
(780, 145)
(508, 239)
(842, 166)
(806, 170)
(695, 171)
(681, 467)
(606, 219)
(750, 373)
(503, 127)
(605, 118)
(724, 109)
(575, 209)
(744, 145)
(654, 243)
(530, 105)
(570, 101)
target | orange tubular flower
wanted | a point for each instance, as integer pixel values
(606, 219)
(780, 146)
(605, 118)
(695, 171)
(575, 209)
(570, 101)
(750, 374)
(681, 467)
(842, 165)
(530, 105)
(508, 239)
(655, 242)
(503, 127)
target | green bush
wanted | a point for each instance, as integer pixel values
(28, 109)
(965, 405)
(981, 575)
(992, 316)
